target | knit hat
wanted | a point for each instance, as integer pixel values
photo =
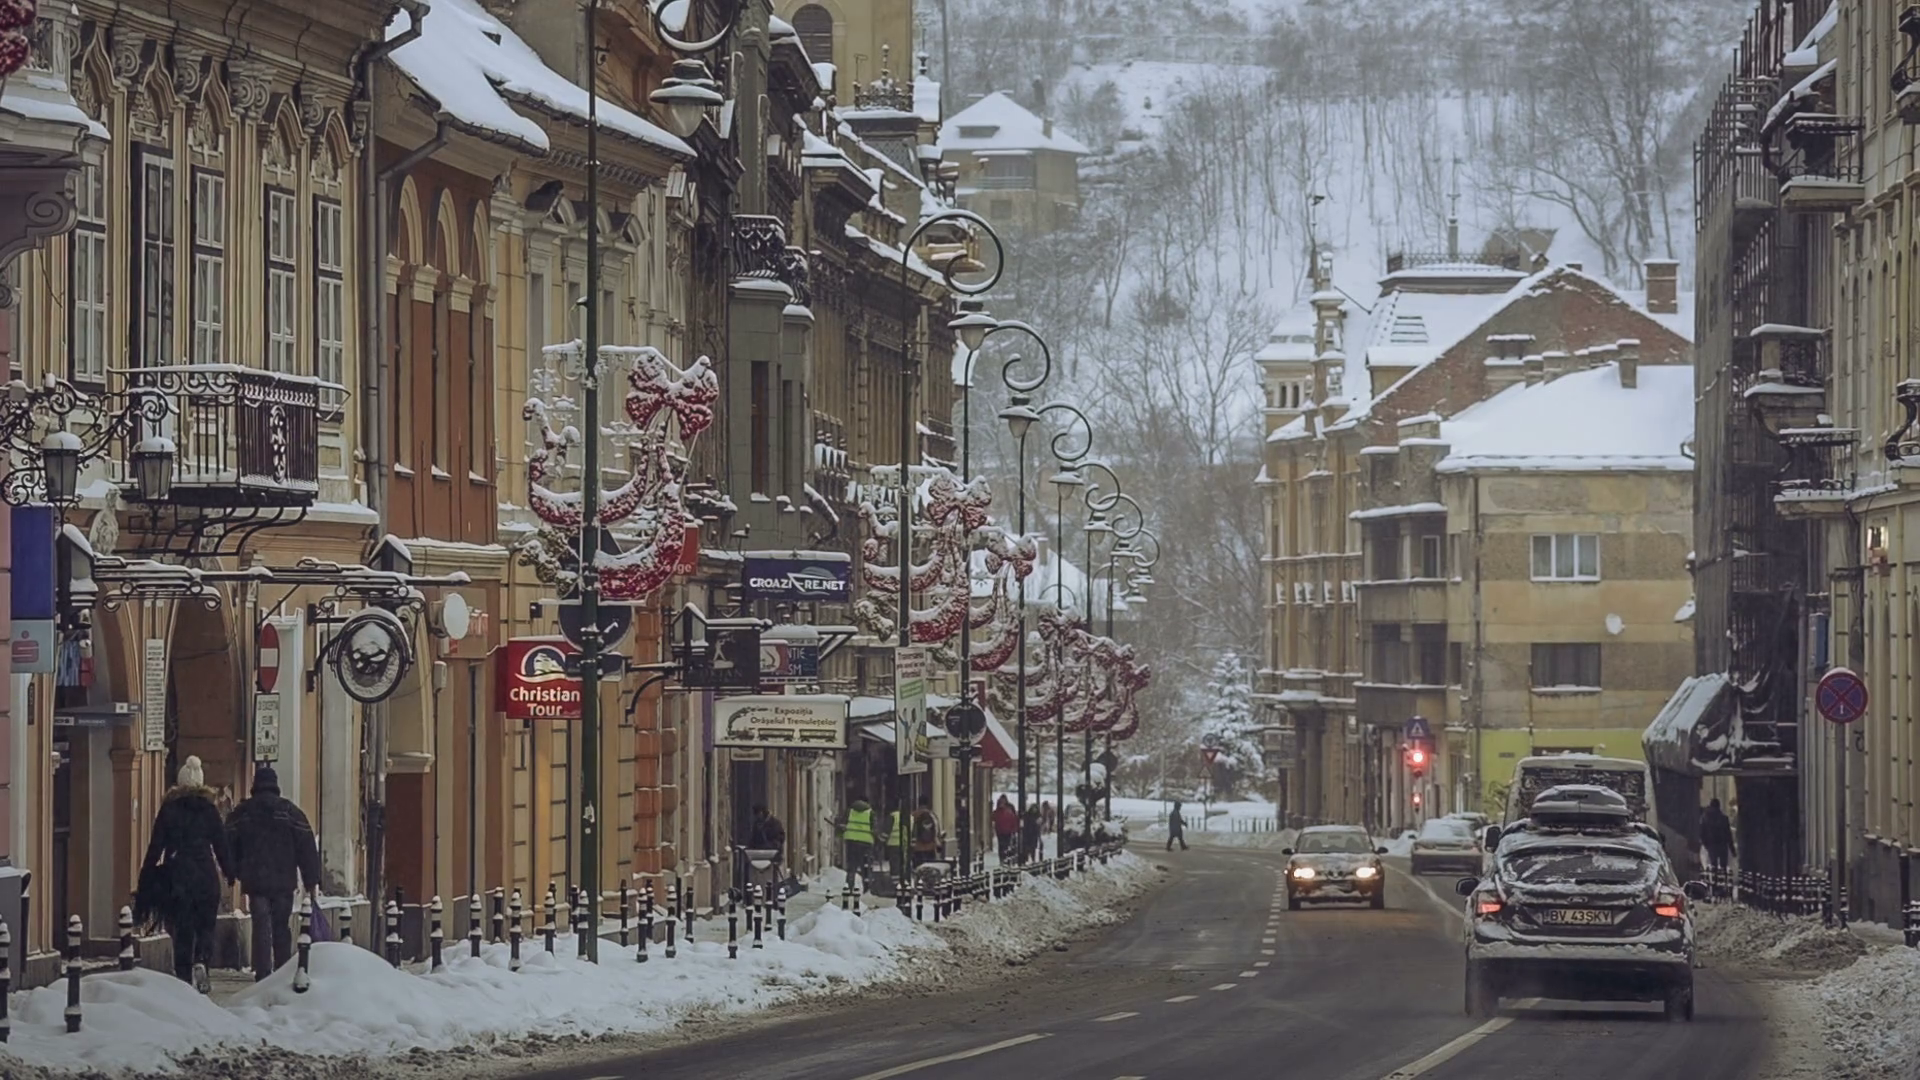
(266, 781)
(191, 775)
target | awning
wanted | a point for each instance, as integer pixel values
(1692, 732)
(998, 749)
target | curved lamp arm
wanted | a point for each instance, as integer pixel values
(1125, 515)
(1062, 442)
(1013, 381)
(658, 9)
(1101, 498)
(1141, 559)
(949, 217)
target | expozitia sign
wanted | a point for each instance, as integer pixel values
(534, 684)
(782, 721)
(798, 576)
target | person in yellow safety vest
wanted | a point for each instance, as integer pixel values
(856, 836)
(896, 842)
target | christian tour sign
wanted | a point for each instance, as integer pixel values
(534, 684)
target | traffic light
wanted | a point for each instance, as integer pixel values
(1417, 756)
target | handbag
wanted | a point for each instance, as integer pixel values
(322, 929)
(150, 898)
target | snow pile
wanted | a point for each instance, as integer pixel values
(1738, 932)
(358, 1005)
(1043, 911)
(1867, 1015)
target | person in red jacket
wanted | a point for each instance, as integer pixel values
(1006, 827)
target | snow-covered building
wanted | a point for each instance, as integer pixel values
(1016, 169)
(1445, 333)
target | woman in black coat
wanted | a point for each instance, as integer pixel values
(184, 873)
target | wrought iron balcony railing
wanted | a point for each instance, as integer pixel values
(245, 437)
(761, 252)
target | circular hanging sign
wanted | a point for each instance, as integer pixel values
(267, 664)
(966, 722)
(1841, 696)
(616, 621)
(370, 655)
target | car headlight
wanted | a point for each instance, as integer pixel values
(1364, 872)
(1304, 873)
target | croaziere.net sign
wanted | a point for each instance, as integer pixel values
(786, 577)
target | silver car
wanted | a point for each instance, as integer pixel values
(1446, 844)
(1335, 862)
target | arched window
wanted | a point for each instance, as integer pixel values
(814, 24)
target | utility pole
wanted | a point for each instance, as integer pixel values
(591, 645)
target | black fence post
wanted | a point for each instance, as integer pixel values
(499, 914)
(623, 912)
(686, 908)
(1909, 916)
(473, 924)
(673, 927)
(435, 936)
(302, 979)
(393, 931)
(74, 934)
(733, 926)
(346, 924)
(780, 909)
(759, 911)
(646, 920)
(547, 928)
(127, 953)
(6, 979)
(513, 935)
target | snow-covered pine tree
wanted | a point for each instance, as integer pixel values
(1229, 718)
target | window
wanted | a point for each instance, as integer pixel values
(329, 292)
(1384, 540)
(1566, 666)
(1430, 564)
(979, 131)
(155, 206)
(762, 415)
(1566, 557)
(1387, 655)
(1010, 172)
(442, 391)
(87, 339)
(1456, 659)
(209, 265)
(1430, 654)
(281, 227)
(814, 24)
(479, 402)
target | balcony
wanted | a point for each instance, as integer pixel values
(246, 438)
(761, 255)
(1813, 494)
(1906, 77)
(1816, 177)
(1411, 600)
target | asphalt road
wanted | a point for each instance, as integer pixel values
(1214, 980)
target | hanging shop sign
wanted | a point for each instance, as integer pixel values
(33, 647)
(533, 680)
(782, 721)
(370, 655)
(798, 576)
(911, 747)
(789, 654)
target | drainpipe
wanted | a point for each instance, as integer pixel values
(1476, 705)
(373, 413)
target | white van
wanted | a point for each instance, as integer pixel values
(1633, 780)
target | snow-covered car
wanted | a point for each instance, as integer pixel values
(1580, 902)
(1473, 818)
(1444, 844)
(1335, 862)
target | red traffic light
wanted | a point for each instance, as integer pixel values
(1418, 757)
(1416, 798)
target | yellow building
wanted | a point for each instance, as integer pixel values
(862, 39)
(1016, 169)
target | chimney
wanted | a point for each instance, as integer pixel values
(1536, 369)
(1046, 127)
(1628, 353)
(1504, 366)
(1555, 363)
(1663, 286)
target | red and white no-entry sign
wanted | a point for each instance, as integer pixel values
(267, 673)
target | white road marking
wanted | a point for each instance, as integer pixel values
(1248, 974)
(1226, 986)
(1129, 1078)
(1111, 1017)
(1456, 909)
(1268, 940)
(1266, 952)
(1448, 1052)
(962, 1055)
(1261, 963)
(1181, 998)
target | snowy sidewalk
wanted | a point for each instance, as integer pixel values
(359, 1006)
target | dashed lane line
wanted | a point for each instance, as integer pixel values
(1266, 952)
(961, 1055)
(1447, 1052)
(1261, 963)
(1226, 986)
(1111, 1017)
(1248, 974)
(1181, 998)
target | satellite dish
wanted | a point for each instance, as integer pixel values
(371, 656)
(456, 618)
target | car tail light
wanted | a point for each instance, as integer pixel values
(1487, 905)
(1669, 905)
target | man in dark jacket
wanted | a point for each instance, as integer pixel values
(1176, 827)
(181, 877)
(1716, 835)
(272, 842)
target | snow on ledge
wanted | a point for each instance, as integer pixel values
(1398, 511)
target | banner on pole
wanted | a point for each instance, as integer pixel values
(910, 744)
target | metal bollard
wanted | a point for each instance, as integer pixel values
(780, 910)
(733, 931)
(393, 932)
(74, 935)
(499, 914)
(646, 921)
(346, 924)
(435, 937)
(513, 935)
(623, 913)
(473, 925)
(673, 927)
(6, 979)
(859, 890)
(686, 909)
(547, 928)
(759, 917)
(938, 913)
(302, 979)
(127, 955)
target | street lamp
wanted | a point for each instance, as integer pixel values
(687, 95)
(153, 462)
(1064, 482)
(60, 458)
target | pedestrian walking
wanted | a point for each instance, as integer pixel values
(897, 843)
(1030, 833)
(926, 834)
(856, 837)
(1716, 836)
(274, 856)
(1176, 827)
(1048, 817)
(1006, 827)
(187, 866)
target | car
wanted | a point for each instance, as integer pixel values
(1446, 843)
(1335, 862)
(1580, 902)
(1474, 819)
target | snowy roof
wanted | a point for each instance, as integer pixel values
(1291, 339)
(1677, 740)
(999, 123)
(1807, 54)
(1584, 420)
(477, 70)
